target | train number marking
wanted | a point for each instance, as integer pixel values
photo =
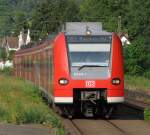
(90, 84)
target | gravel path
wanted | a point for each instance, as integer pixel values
(9, 129)
(126, 121)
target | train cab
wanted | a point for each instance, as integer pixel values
(88, 69)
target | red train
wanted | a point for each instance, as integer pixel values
(80, 70)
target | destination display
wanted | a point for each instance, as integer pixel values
(89, 39)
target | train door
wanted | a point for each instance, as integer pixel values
(33, 73)
(23, 65)
(51, 71)
(41, 68)
(47, 71)
(27, 67)
(37, 70)
(20, 66)
(30, 68)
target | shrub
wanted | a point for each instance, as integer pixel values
(11, 55)
(20, 102)
(7, 71)
(136, 58)
(147, 74)
(2, 112)
(147, 114)
(36, 114)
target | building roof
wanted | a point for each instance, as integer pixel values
(1, 42)
(12, 42)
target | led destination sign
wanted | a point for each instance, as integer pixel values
(89, 39)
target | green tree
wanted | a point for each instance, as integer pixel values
(138, 18)
(15, 15)
(135, 58)
(105, 11)
(3, 54)
(51, 14)
(11, 55)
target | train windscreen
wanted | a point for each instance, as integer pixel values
(89, 58)
(89, 54)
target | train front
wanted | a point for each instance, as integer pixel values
(88, 75)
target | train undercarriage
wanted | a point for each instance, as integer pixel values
(88, 103)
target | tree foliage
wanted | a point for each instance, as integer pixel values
(15, 15)
(137, 58)
(51, 14)
(46, 16)
(135, 20)
(3, 54)
(106, 11)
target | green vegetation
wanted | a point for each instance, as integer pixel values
(11, 55)
(6, 71)
(51, 14)
(147, 114)
(20, 102)
(137, 57)
(122, 16)
(41, 17)
(132, 21)
(137, 83)
(3, 54)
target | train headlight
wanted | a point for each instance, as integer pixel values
(116, 81)
(63, 81)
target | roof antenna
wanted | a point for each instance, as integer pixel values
(88, 31)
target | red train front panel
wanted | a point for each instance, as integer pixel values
(84, 72)
(85, 64)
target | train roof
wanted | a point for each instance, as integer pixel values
(81, 28)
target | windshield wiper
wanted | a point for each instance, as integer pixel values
(90, 66)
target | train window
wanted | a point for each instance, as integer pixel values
(89, 54)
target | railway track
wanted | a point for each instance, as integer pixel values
(127, 121)
(107, 127)
(92, 127)
(137, 104)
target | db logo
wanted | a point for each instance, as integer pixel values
(90, 84)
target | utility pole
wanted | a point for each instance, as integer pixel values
(119, 25)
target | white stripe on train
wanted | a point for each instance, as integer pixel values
(63, 99)
(70, 99)
(115, 99)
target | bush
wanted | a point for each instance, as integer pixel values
(147, 74)
(7, 71)
(11, 55)
(20, 102)
(147, 114)
(2, 112)
(136, 58)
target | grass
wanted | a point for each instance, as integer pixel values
(137, 83)
(20, 102)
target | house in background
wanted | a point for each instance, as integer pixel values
(124, 39)
(8, 44)
(15, 43)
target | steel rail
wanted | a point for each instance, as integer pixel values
(137, 104)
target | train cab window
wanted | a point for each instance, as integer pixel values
(91, 54)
